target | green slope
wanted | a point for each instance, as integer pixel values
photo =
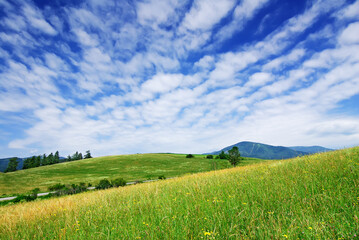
(130, 167)
(312, 197)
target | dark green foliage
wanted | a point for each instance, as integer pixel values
(11, 167)
(50, 159)
(56, 187)
(222, 155)
(44, 160)
(118, 182)
(56, 157)
(162, 177)
(189, 156)
(104, 184)
(209, 157)
(88, 154)
(72, 189)
(76, 156)
(234, 156)
(28, 198)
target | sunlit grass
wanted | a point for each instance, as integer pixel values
(130, 167)
(313, 197)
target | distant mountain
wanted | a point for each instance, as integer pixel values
(311, 149)
(264, 151)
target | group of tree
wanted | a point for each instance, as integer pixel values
(12, 165)
(78, 156)
(43, 160)
(37, 161)
(233, 156)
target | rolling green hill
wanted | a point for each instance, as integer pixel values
(130, 167)
(311, 197)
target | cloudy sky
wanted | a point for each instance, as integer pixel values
(191, 76)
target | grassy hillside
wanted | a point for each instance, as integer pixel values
(129, 167)
(312, 197)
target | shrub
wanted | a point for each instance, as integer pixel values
(209, 156)
(162, 177)
(118, 182)
(104, 184)
(56, 187)
(189, 156)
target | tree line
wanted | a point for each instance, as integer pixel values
(43, 160)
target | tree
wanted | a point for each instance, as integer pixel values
(50, 159)
(103, 184)
(44, 160)
(80, 156)
(38, 161)
(57, 157)
(189, 156)
(11, 167)
(210, 156)
(222, 155)
(118, 182)
(88, 154)
(234, 156)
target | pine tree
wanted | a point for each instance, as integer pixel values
(50, 159)
(44, 161)
(57, 157)
(88, 154)
(26, 164)
(11, 167)
(38, 161)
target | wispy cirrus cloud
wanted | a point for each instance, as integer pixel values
(168, 76)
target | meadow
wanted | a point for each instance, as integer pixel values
(130, 167)
(311, 197)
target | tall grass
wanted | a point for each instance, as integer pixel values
(130, 167)
(307, 198)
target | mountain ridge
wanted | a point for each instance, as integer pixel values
(266, 151)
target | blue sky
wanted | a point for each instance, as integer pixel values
(121, 77)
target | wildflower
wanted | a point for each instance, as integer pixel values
(244, 203)
(285, 236)
(207, 234)
(310, 228)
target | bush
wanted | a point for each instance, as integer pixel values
(162, 177)
(104, 184)
(56, 187)
(209, 156)
(189, 156)
(118, 182)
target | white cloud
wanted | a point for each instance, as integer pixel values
(162, 83)
(86, 39)
(259, 79)
(350, 35)
(242, 13)
(350, 12)
(291, 58)
(36, 19)
(205, 13)
(156, 12)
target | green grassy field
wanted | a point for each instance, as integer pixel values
(130, 167)
(312, 197)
